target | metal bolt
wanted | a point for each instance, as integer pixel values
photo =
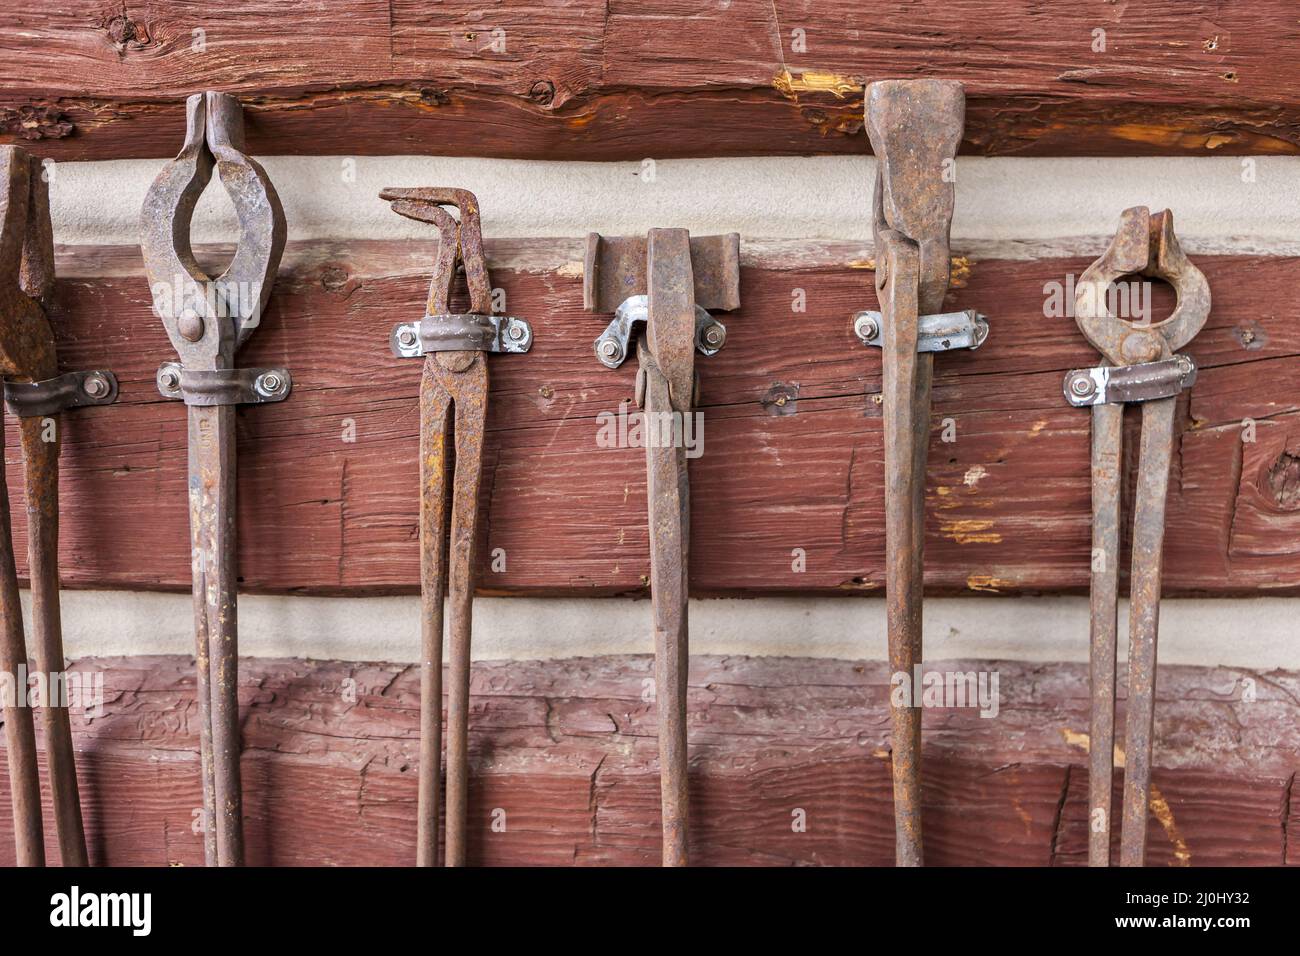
(1081, 385)
(95, 386)
(610, 349)
(190, 327)
(169, 379)
(1185, 365)
(516, 332)
(715, 336)
(866, 328)
(271, 383)
(406, 337)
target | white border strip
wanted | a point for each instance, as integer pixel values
(1192, 631)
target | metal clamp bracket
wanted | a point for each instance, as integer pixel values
(70, 390)
(613, 344)
(941, 332)
(464, 332)
(1121, 384)
(227, 386)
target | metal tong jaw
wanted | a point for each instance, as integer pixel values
(669, 280)
(36, 394)
(207, 320)
(1145, 369)
(915, 127)
(454, 386)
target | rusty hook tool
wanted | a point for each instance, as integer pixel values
(668, 281)
(207, 319)
(454, 386)
(1143, 368)
(36, 393)
(914, 127)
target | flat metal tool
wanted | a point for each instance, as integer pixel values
(668, 281)
(1143, 369)
(36, 394)
(207, 320)
(453, 389)
(915, 127)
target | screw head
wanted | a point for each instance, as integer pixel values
(406, 337)
(866, 328)
(1081, 385)
(95, 386)
(516, 332)
(715, 335)
(609, 349)
(169, 379)
(271, 383)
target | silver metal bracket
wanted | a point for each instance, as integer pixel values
(941, 332)
(227, 386)
(70, 390)
(466, 332)
(614, 344)
(1119, 384)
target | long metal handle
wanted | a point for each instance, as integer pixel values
(1144, 618)
(906, 383)
(434, 406)
(42, 490)
(470, 416)
(1107, 424)
(20, 729)
(668, 493)
(212, 535)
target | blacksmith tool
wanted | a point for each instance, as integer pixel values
(454, 386)
(36, 393)
(207, 319)
(668, 281)
(1143, 367)
(915, 127)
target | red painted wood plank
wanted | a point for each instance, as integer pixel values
(789, 764)
(328, 478)
(586, 79)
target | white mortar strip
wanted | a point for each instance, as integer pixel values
(1256, 633)
(1221, 204)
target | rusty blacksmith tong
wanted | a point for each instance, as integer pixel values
(667, 281)
(1143, 367)
(207, 319)
(915, 127)
(453, 389)
(36, 393)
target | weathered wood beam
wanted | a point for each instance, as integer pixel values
(564, 763)
(605, 79)
(327, 480)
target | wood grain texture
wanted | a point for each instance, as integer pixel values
(566, 751)
(614, 79)
(327, 479)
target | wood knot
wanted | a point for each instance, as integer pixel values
(1284, 481)
(125, 34)
(542, 92)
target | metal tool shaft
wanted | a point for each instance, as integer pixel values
(20, 729)
(906, 394)
(1154, 460)
(212, 537)
(42, 491)
(1107, 423)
